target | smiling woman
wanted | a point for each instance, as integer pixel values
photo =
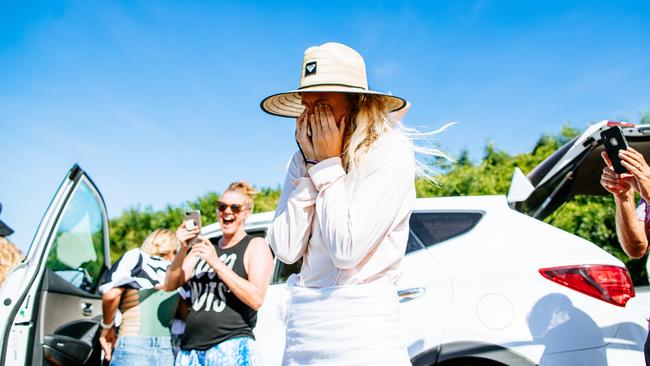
(224, 284)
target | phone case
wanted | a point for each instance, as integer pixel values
(614, 141)
(194, 215)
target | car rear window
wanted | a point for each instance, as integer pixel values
(435, 227)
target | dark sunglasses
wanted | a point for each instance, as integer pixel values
(235, 207)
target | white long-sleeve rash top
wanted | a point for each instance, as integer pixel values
(348, 228)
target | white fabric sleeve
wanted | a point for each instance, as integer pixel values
(290, 231)
(352, 226)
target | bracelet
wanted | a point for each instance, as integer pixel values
(314, 162)
(107, 326)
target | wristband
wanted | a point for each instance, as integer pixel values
(311, 161)
(107, 326)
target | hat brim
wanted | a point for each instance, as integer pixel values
(289, 104)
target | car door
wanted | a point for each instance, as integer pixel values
(51, 305)
(272, 316)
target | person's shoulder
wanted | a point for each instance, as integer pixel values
(258, 243)
(395, 143)
(132, 253)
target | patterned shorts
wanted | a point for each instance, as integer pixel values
(233, 352)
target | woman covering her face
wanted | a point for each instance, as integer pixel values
(344, 211)
(225, 282)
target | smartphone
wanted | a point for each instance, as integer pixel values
(614, 141)
(192, 219)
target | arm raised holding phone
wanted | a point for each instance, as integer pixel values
(631, 227)
(182, 266)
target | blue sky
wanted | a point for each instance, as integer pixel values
(158, 100)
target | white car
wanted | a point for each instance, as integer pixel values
(483, 284)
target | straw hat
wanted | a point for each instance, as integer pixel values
(331, 67)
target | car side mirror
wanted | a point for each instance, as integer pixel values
(520, 187)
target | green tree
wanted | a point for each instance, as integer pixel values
(129, 230)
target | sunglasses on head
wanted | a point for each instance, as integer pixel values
(235, 207)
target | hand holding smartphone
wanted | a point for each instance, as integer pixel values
(614, 141)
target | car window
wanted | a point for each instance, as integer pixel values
(77, 254)
(413, 244)
(283, 271)
(434, 227)
(426, 229)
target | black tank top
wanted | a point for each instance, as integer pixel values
(216, 314)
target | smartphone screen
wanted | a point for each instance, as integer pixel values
(614, 141)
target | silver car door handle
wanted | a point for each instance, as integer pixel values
(410, 293)
(86, 309)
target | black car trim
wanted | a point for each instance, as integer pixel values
(470, 349)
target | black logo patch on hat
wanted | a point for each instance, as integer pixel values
(310, 68)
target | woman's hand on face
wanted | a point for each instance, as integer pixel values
(303, 136)
(107, 341)
(618, 185)
(184, 236)
(639, 169)
(205, 250)
(326, 135)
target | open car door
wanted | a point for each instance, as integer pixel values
(574, 169)
(50, 306)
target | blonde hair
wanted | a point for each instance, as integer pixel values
(369, 119)
(10, 255)
(159, 243)
(245, 189)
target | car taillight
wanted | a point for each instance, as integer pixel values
(608, 283)
(620, 124)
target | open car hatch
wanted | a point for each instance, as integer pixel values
(574, 169)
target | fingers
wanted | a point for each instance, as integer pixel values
(633, 157)
(608, 181)
(301, 119)
(329, 115)
(203, 248)
(106, 347)
(204, 240)
(299, 124)
(606, 158)
(305, 129)
(196, 250)
(342, 127)
(635, 153)
(632, 168)
(610, 173)
(325, 112)
(313, 124)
